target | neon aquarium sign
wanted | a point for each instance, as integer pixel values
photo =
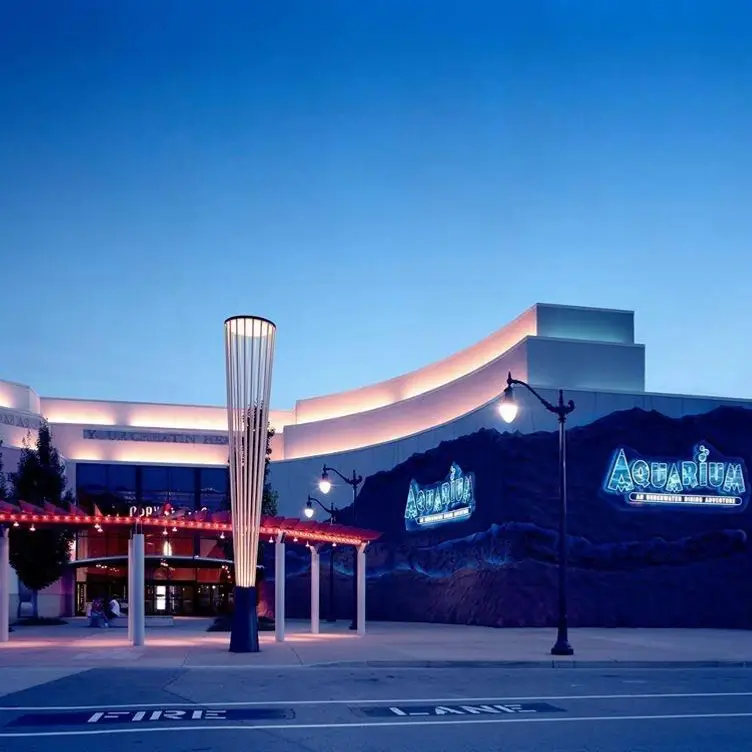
(706, 480)
(450, 500)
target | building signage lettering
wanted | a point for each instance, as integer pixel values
(149, 511)
(450, 500)
(706, 480)
(158, 437)
(19, 420)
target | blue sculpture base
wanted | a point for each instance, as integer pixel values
(244, 636)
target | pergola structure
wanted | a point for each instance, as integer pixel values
(280, 530)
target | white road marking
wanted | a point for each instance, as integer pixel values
(468, 720)
(371, 701)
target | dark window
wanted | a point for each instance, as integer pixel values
(109, 487)
(214, 486)
(181, 479)
(115, 487)
(91, 476)
(183, 486)
(155, 484)
(121, 481)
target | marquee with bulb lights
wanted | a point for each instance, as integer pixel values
(175, 520)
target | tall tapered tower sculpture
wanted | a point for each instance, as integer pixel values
(249, 356)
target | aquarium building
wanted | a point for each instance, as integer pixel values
(148, 455)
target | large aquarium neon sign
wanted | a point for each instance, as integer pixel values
(707, 480)
(450, 500)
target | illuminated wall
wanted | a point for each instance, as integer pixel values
(589, 352)
(548, 345)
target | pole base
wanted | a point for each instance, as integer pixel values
(244, 635)
(562, 647)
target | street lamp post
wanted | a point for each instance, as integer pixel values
(508, 410)
(309, 511)
(325, 485)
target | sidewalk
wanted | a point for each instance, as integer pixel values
(74, 647)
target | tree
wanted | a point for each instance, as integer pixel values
(268, 500)
(40, 556)
(270, 497)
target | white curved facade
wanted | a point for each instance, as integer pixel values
(589, 352)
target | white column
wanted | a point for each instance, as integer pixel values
(137, 604)
(279, 589)
(130, 589)
(315, 589)
(4, 584)
(361, 588)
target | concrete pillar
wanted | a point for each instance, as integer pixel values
(315, 589)
(130, 589)
(361, 588)
(137, 605)
(279, 588)
(4, 584)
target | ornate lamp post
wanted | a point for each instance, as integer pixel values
(309, 511)
(508, 409)
(249, 357)
(325, 485)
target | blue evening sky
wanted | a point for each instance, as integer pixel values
(389, 180)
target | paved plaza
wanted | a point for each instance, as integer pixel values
(187, 644)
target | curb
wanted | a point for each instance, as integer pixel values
(557, 664)
(614, 665)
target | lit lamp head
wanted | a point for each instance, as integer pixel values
(309, 510)
(508, 405)
(325, 485)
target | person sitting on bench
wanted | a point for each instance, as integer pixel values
(113, 609)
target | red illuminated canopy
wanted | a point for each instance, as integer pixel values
(220, 522)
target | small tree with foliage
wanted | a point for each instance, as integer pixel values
(40, 556)
(270, 497)
(268, 500)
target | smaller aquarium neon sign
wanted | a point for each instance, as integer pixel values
(707, 480)
(450, 500)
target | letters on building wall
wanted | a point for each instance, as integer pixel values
(450, 500)
(707, 479)
(97, 434)
(19, 420)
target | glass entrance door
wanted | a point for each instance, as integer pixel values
(170, 599)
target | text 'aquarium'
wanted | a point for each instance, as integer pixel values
(450, 500)
(707, 480)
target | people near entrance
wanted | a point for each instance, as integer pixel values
(97, 615)
(102, 614)
(114, 609)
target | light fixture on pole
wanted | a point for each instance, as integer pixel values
(309, 512)
(325, 485)
(508, 409)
